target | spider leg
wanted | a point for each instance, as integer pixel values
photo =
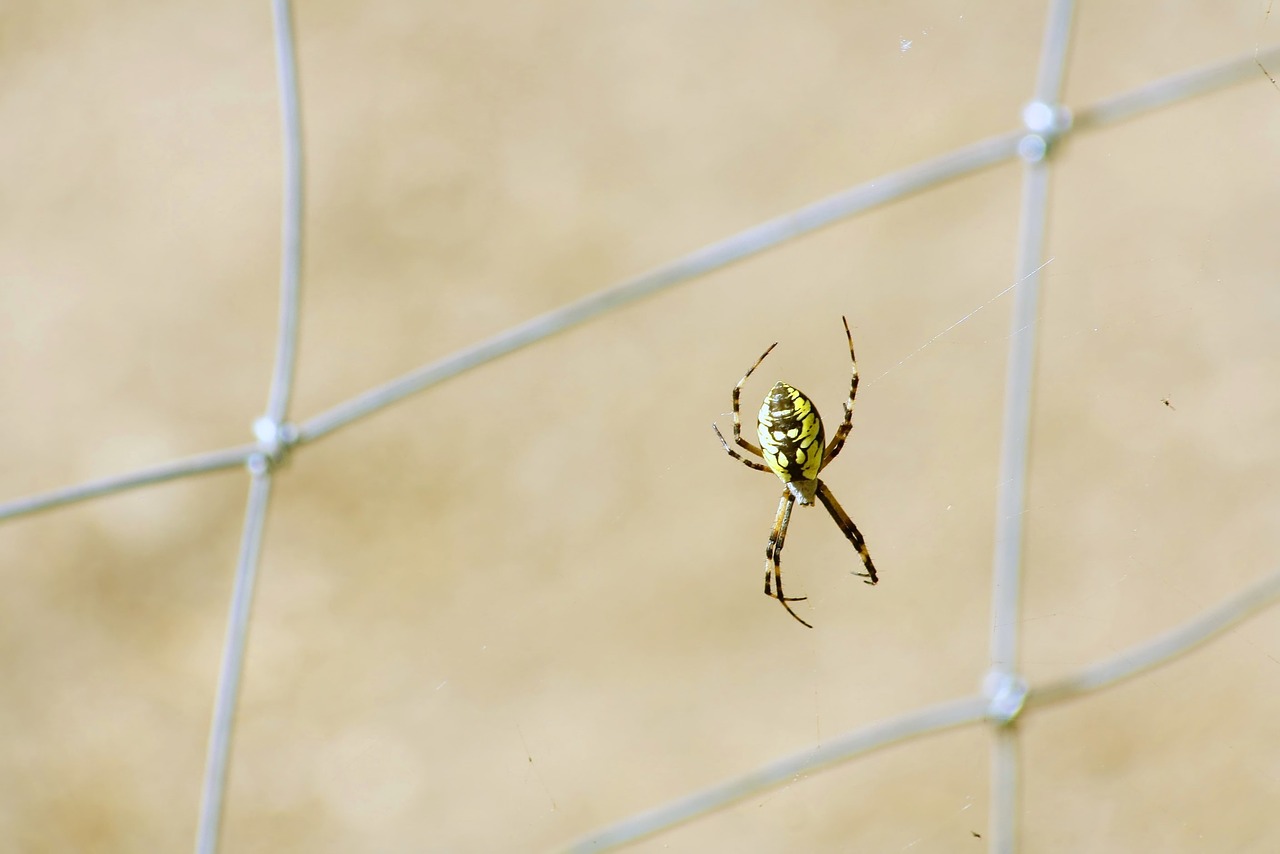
(842, 432)
(850, 530)
(773, 554)
(737, 456)
(737, 418)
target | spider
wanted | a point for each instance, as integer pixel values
(791, 439)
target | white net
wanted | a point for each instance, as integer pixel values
(527, 604)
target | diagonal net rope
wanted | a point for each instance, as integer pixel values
(1005, 696)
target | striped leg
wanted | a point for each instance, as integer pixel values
(737, 396)
(737, 456)
(850, 530)
(773, 556)
(842, 432)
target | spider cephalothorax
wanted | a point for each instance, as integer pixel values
(791, 445)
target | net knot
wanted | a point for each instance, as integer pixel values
(275, 440)
(1046, 124)
(1006, 694)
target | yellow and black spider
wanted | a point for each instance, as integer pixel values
(791, 439)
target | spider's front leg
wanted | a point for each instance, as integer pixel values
(773, 556)
(850, 530)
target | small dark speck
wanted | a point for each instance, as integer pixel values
(976, 834)
(1167, 403)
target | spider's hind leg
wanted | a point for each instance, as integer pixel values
(749, 463)
(773, 554)
(842, 432)
(737, 408)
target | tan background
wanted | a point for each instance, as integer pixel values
(528, 602)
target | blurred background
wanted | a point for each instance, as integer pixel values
(528, 602)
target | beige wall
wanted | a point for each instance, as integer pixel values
(528, 602)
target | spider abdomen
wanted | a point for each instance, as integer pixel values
(791, 439)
